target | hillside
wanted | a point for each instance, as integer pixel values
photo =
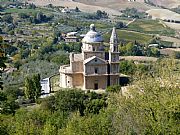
(166, 3)
(72, 4)
(164, 14)
(117, 4)
(110, 6)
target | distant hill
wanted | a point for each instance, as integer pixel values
(117, 4)
(112, 7)
(165, 3)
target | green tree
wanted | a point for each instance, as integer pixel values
(77, 9)
(32, 87)
(127, 49)
(101, 14)
(5, 124)
(29, 89)
(176, 55)
(153, 52)
(2, 66)
(7, 105)
(2, 62)
(1, 8)
(115, 88)
(7, 18)
(89, 125)
(127, 67)
(29, 122)
(1, 32)
(36, 84)
(23, 15)
(153, 106)
(119, 25)
(69, 100)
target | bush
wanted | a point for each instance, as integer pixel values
(176, 55)
(23, 15)
(7, 18)
(114, 89)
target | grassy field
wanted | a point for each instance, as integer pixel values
(151, 27)
(33, 11)
(15, 10)
(130, 36)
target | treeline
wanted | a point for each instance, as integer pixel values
(36, 18)
(97, 15)
(133, 13)
(135, 49)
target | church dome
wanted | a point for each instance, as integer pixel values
(92, 36)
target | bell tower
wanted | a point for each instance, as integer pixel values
(113, 66)
(113, 50)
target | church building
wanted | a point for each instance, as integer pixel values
(94, 68)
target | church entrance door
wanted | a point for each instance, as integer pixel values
(96, 86)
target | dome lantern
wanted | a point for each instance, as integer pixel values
(92, 36)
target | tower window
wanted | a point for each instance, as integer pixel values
(114, 58)
(114, 68)
(95, 70)
(114, 48)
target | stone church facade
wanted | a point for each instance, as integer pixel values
(93, 68)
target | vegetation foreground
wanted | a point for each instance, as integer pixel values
(151, 107)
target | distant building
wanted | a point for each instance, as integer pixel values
(153, 45)
(65, 10)
(45, 86)
(135, 0)
(71, 37)
(93, 68)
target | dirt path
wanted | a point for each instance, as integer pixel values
(130, 22)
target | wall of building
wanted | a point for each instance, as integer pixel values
(77, 66)
(114, 68)
(93, 47)
(101, 69)
(78, 80)
(65, 81)
(114, 57)
(114, 80)
(90, 54)
(91, 80)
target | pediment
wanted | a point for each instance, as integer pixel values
(94, 60)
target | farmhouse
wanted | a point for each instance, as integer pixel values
(93, 68)
(71, 37)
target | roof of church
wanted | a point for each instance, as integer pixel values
(92, 58)
(92, 36)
